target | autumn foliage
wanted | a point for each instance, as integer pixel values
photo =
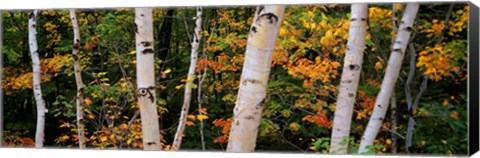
(301, 93)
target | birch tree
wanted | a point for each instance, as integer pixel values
(350, 76)
(37, 89)
(146, 78)
(78, 79)
(391, 76)
(190, 78)
(253, 82)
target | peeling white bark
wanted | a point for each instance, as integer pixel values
(146, 78)
(37, 90)
(177, 142)
(391, 76)
(253, 82)
(78, 79)
(352, 68)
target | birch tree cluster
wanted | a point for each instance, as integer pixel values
(336, 79)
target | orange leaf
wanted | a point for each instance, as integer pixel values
(189, 123)
(87, 101)
(203, 110)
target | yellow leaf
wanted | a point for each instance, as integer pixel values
(398, 7)
(294, 127)
(103, 138)
(202, 117)
(378, 66)
(168, 71)
(179, 86)
(388, 141)
(123, 84)
(132, 52)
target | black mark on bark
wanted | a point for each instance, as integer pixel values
(76, 46)
(249, 117)
(146, 44)
(260, 9)
(31, 16)
(354, 67)
(135, 27)
(351, 94)
(398, 50)
(253, 81)
(75, 56)
(408, 28)
(147, 51)
(347, 81)
(151, 143)
(143, 92)
(254, 29)
(270, 16)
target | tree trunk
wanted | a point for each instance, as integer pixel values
(393, 116)
(190, 78)
(146, 78)
(253, 82)
(164, 37)
(37, 90)
(391, 76)
(352, 68)
(78, 79)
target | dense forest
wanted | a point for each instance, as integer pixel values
(359, 78)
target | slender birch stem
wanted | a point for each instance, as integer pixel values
(146, 79)
(37, 89)
(78, 79)
(391, 76)
(253, 82)
(177, 142)
(393, 101)
(352, 68)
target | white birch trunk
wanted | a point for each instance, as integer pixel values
(177, 142)
(253, 82)
(37, 90)
(78, 79)
(146, 78)
(352, 68)
(391, 76)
